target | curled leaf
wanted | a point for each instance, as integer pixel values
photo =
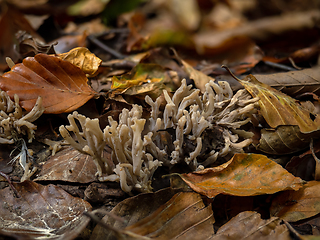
(279, 109)
(243, 175)
(62, 86)
(283, 140)
(82, 58)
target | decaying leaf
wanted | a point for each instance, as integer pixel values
(145, 78)
(293, 206)
(41, 212)
(249, 225)
(283, 140)
(244, 175)
(62, 85)
(184, 216)
(68, 165)
(82, 58)
(12, 21)
(132, 210)
(279, 109)
(294, 83)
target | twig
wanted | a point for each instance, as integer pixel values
(280, 66)
(100, 44)
(10, 183)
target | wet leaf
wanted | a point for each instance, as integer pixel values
(294, 83)
(68, 165)
(82, 58)
(284, 140)
(41, 211)
(243, 175)
(62, 85)
(293, 206)
(279, 109)
(249, 225)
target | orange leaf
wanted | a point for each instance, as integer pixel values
(293, 206)
(244, 175)
(62, 85)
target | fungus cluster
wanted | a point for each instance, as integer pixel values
(12, 120)
(193, 128)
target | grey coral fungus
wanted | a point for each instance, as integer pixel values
(137, 144)
(12, 120)
(13, 124)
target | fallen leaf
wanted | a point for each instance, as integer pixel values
(284, 140)
(41, 212)
(82, 58)
(132, 210)
(12, 21)
(184, 216)
(200, 79)
(186, 12)
(261, 29)
(145, 78)
(29, 47)
(244, 175)
(278, 108)
(62, 85)
(294, 83)
(293, 206)
(303, 167)
(68, 165)
(249, 225)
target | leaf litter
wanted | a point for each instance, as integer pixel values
(226, 153)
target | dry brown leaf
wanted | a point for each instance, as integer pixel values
(244, 175)
(11, 22)
(294, 83)
(184, 216)
(293, 206)
(249, 225)
(132, 210)
(41, 212)
(212, 41)
(82, 58)
(68, 165)
(62, 86)
(284, 140)
(186, 12)
(278, 108)
(200, 79)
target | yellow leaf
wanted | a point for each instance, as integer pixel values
(278, 108)
(82, 58)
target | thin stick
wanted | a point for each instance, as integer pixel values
(100, 44)
(10, 183)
